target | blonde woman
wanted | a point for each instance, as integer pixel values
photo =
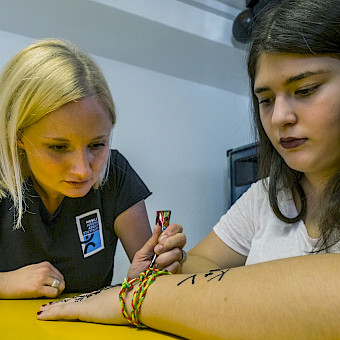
(65, 197)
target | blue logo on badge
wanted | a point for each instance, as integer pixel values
(90, 232)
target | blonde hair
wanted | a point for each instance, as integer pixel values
(35, 82)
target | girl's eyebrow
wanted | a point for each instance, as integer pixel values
(64, 140)
(261, 89)
(56, 139)
(293, 79)
(303, 76)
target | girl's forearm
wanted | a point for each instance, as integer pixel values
(294, 298)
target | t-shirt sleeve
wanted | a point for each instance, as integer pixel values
(238, 226)
(124, 183)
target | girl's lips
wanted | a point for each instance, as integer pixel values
(291, 143)
(77, 184)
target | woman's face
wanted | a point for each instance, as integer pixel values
(299, 104)
(68, 148)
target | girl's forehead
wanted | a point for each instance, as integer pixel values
(87, 117)
(270, 67)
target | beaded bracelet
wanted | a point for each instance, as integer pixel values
(145, 279)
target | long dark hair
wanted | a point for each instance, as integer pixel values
(309, 27)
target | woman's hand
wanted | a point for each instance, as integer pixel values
(101, 306)
(166, 245)
(32, 281)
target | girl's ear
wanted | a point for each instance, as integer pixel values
(20, 143)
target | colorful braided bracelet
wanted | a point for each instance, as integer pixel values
(145, 279)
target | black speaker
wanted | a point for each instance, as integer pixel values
(247, 20)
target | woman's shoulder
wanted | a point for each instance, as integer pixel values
(6, 207)
(117, 163)
(118, 160)
(115, 156)
(258, 189)
(120, 170)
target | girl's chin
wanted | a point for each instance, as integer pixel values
(78, 191)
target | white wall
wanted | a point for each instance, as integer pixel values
(175, 133)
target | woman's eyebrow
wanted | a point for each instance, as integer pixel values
(61, 139)
(56, 139)
(293, 79)
(303, 76)
(261, 89)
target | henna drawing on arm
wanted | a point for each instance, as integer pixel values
(192, 282)
(96, 292)
(219, 274)
(81, 297)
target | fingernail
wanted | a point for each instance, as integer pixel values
(44, 305)
(38, 313)
(159, 248)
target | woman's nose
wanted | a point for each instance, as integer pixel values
(80, 164)
(284, 112)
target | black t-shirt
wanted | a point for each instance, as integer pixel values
(79, 238)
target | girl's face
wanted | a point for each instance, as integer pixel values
(68, 148)
(299, 103)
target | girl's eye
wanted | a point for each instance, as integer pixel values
(96, 146)
(266, 101)
(58, 148)
(307, 91)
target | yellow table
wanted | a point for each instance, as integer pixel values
(18, 322)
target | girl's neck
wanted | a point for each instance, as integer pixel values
(313, 190)
(51, 202)
(314, 186)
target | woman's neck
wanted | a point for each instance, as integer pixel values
(313, 190)
(51, 202)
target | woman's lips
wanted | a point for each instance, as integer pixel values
(77, 184)
(291, 143)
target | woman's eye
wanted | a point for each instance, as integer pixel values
(97, 145)
(58, 148)
(307, 91)
(266, 101)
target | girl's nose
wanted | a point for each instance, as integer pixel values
(80, 164)
(284, 112)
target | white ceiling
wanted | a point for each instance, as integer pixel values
(218, 7)
(190, 41)
(238, 4)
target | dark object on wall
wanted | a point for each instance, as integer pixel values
(242, 170)
(245, 22)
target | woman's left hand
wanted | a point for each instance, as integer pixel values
(167, 245)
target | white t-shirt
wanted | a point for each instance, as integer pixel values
(251, 228)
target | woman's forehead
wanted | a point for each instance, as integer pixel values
(289, 66)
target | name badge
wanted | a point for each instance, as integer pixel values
(90, 232)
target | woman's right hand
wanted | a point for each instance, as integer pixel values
(32, 281)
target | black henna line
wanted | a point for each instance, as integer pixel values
(64, 300)
(192, 282)
(213, 270)
(81, 297)
(220, 275)
(96, 292)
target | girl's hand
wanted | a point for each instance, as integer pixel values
(101, 306)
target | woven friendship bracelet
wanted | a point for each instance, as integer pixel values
(145, 279)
